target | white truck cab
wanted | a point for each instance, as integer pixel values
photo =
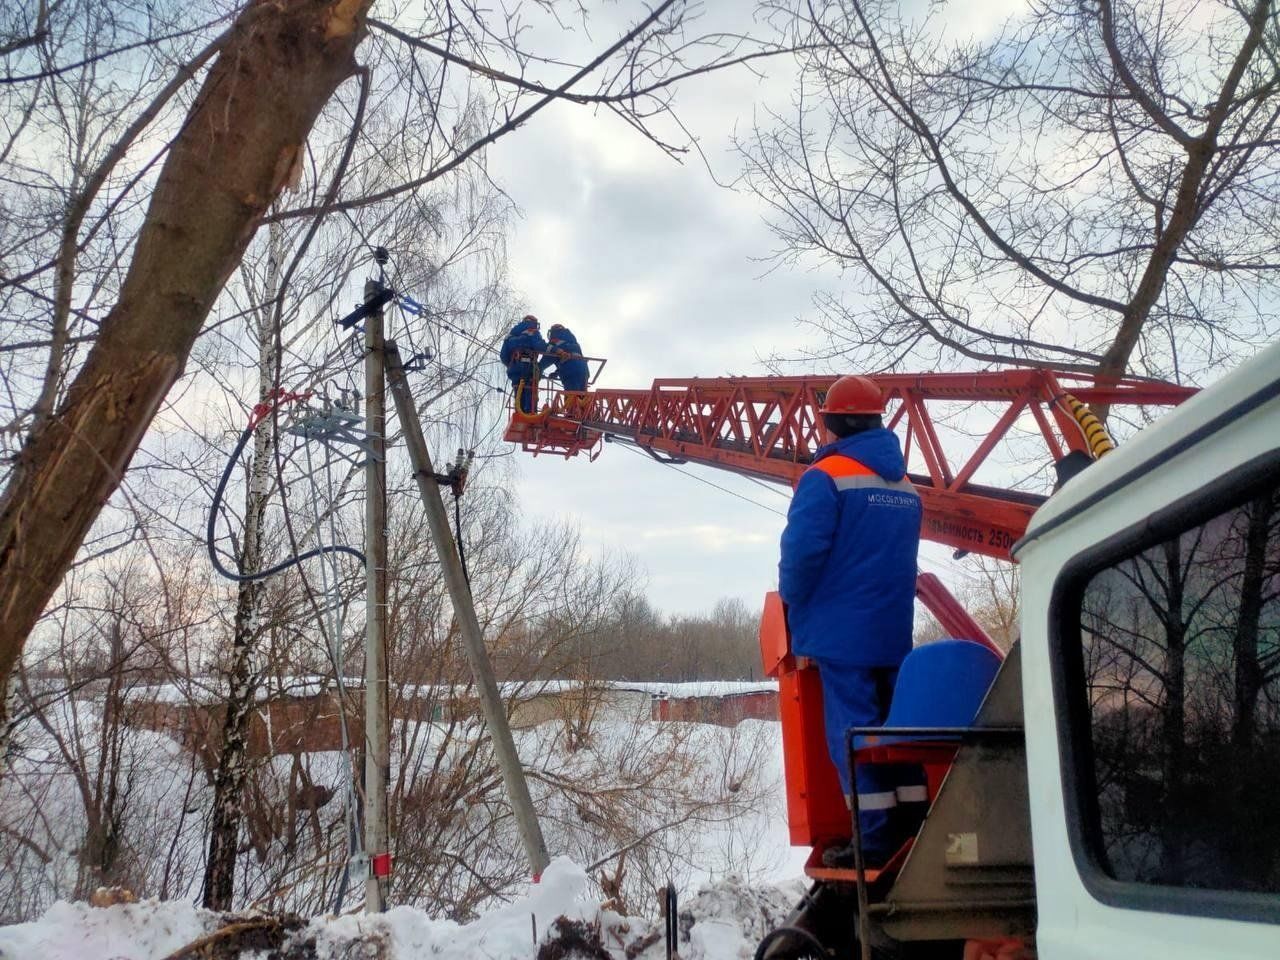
(1151, 687)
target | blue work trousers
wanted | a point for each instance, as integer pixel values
(892, 798)
(523, 375)
(573, 375)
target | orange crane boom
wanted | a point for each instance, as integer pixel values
(769, 428)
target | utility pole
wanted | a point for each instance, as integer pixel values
(377, 736)
(495, 714)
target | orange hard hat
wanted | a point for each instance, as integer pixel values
(853, 395)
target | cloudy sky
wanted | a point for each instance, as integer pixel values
(658, 269)
(666, 274)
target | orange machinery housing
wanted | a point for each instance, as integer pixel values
(769, 428)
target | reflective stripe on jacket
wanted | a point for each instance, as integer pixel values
(848, 561)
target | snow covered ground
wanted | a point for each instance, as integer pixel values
(209, 689)
(710, 798)
(736, 874)
(723, 921)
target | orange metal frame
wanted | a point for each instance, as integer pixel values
(769, 428)
(816, 811)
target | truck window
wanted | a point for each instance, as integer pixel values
(1180, 646)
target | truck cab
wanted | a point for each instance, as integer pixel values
(1151, 687)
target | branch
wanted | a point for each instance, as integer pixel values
(1186, 210)
(1138, 92)
(96, 58)
(895, 101)
(37, 35)
(631, 93)
(79, 207)
(21, 43)
(40, 344)
(511, 124)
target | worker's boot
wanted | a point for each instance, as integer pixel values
(843, 858)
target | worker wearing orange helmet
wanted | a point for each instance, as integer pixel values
(847, 574)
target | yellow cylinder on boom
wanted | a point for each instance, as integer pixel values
(1095, 434)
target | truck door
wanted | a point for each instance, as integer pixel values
(1152, 629)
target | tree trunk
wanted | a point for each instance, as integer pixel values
(229, 781)
(99, 854)
(241, 139)
(1115, 362)
(1248, 671)
(1249, 807)
(1173, 725)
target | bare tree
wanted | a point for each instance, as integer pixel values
(990, 591)
(93, 802)
(241, 142)
(1093, 185)
(224, 159)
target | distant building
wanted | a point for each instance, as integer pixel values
(304, 717)
(723, 703)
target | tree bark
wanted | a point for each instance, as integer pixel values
(232, 773)
(242, 137)
(229, 780)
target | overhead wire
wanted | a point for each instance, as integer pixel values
(772, 488)
(942, 566)
(238, 575)
(716, 486)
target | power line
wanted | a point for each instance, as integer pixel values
(772, 488)
(709, 483)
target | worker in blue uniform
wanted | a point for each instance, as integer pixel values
(519, 354)
(565, 355)
(847, 574)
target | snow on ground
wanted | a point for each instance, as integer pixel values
(757, 846)
(725, 863)
(724, 921)
(209, 689)
(713, 795)
(132, 931)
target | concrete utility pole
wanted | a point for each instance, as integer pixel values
(495, 715)
(377, 737)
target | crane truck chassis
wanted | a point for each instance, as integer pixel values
(1115, 794)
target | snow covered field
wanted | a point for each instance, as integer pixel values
(734, 870)
(722, 922)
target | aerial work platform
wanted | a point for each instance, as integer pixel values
(557, 426)
(551, 430)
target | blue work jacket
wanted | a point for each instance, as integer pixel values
(848, 565)
(572, 369)
(520, 348)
